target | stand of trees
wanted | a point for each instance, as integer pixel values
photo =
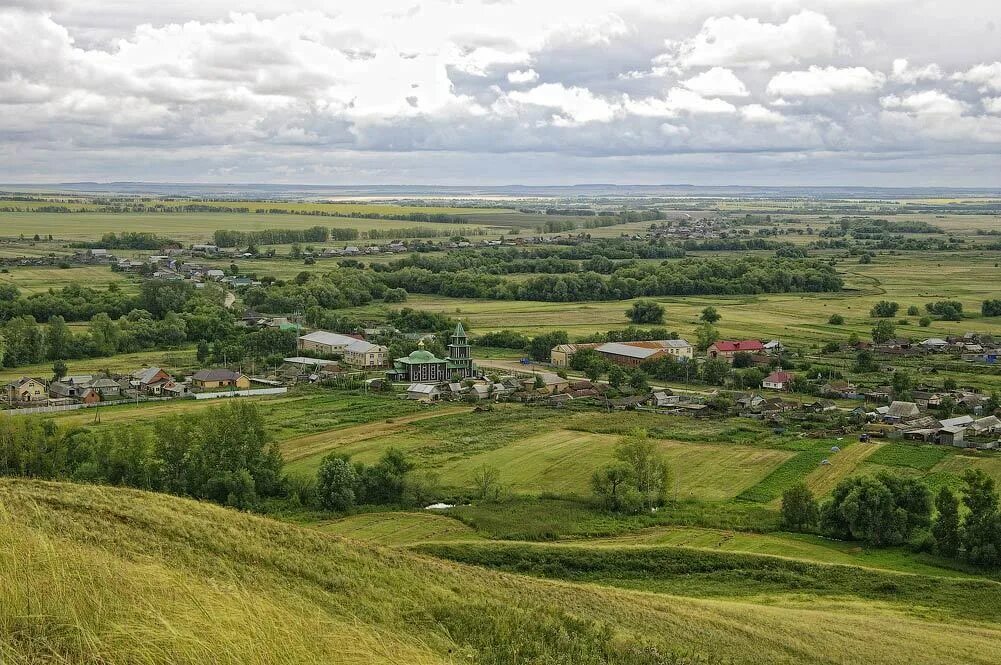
(885, 510)
(222, 454)
(224, 238)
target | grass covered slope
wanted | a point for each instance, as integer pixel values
(90, 574)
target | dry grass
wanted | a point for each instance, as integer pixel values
(93, 574)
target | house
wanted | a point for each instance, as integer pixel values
(774, 346)
(900, 411)
(215, 274)
(26, 389)
(208, 379)
(665, 398)
(726, 350)
(986, 426)
(934, 344)
(356, 352)
(952, 436)
(750, 401)
(105, 387)
(634, 353)
(205, 249)
(778, 381)
(151, 380)
(551, 383)
(562, 354)
(839, 388)
(423, 392)
(958, 421)
(821, 406)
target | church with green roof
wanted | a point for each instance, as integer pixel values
(422, 366)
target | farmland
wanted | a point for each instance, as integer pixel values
(525, 533)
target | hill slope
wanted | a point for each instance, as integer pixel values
(90, 574)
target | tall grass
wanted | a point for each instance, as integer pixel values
(102, 575)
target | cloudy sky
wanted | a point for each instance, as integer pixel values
(852, 92)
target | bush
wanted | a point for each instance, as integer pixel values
(836, 320)
(884, 309)
(645, 311)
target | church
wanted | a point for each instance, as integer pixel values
(422, 366)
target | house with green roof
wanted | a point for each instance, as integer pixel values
(422, 366)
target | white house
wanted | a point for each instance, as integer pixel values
(778, 381)
(356, 352)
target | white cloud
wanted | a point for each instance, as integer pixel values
(677, 101)
(819, 81)
(717, 82)
(573, 104)
(523, 76)
(903, 73)
(932, 102)
(759, 114)
(748, 42)
(992, 105)
(988, 77)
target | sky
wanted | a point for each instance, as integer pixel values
(492, 92)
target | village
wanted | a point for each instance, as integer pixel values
(947, 414)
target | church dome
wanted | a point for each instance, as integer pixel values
(422, 356)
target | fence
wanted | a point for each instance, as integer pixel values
(34, 410)
(242, 393)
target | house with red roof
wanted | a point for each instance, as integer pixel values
(726, 350)
(778, 380)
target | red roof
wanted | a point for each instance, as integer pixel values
(779, 377)
(743, 345)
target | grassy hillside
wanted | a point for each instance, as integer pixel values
(93, 574)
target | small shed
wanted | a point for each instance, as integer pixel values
(952, 435)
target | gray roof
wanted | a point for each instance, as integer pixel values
(903, 410)
(146, 374)
(627, 350)
(216, 375)
(958, 421)
(422, 388)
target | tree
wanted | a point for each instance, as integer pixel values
(58, 338)
(710, 315)
(945, 528)
(385, 481)
(651, 476)
(742, 360)
(883, 331)
(836, 320)
(104, 334)
(982, 527)
(202, 351)
(714, 372)
(337, 483)
(799, 508)
(865, 362)
(902, 383)
(541, 346)
(913, 310)
(616, 376)
(924, 321)
(487, 483)
(59, 370)
(638, 382)
(880, 510)
(611, 484)
(706, 335)
(645, 311)
(884, 309)
(991, 308)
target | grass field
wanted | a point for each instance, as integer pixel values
(184, 227)
(97, 574)
(400, 528)
(38, 279)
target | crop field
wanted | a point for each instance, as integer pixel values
(125, 363)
